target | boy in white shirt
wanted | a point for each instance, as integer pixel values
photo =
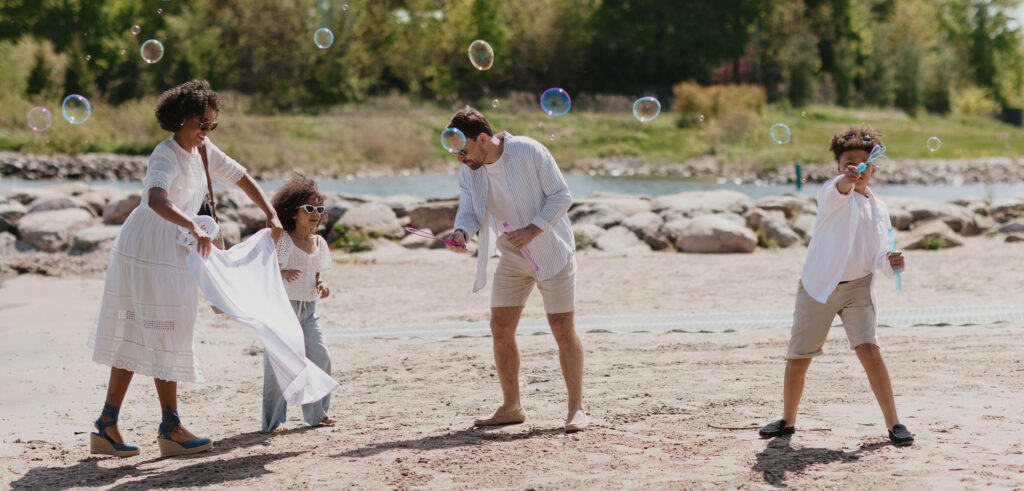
(849, 245)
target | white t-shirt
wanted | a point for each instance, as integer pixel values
(861, 261)
(289, 256)
(499, 199)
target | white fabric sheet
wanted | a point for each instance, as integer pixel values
(245, 283)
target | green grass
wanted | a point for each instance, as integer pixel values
(396, 133)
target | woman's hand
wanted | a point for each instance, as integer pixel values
(290, 275)
(322, 289)
(276, 229)
(203, 240)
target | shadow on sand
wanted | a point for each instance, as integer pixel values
(779, 458)
(461, 438)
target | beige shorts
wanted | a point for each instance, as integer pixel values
(514, 279)
(812, 319)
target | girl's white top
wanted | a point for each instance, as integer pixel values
(846, 232)
(289, 256)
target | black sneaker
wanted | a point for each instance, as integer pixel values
(777, 428)
(900, 435)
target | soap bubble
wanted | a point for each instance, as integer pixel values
(136, 30)
(803, 114)
(76, 109)
(780, 133)
(700, 119)
(344, 6)
(40, 119)
(159, 11)
(124, 52)
(481, 55)
(323, 38)
(555, 101)
(88, 57)
(453, 140)
(934, 143)
(494, 104)
(152, 51)
(552, 137)
(646, 109)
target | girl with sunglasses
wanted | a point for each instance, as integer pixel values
(301, 255)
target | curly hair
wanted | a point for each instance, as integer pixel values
(856, 137)
(188, 99)
(298, 191)
(471, 123)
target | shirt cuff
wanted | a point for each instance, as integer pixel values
(541, 224)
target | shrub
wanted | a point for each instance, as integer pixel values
(730, 129)
(973, 101)
(350, 240)
(691, 100)
(582, 240)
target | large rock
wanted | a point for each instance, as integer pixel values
(413, 241)
(231, 198)
(647, 227)
(978, 225)
(95, 237)
(53, 231)
(1016, 226)
(31, 195)
(586, 234)
(772, 223)
(922, 210)
(402, 204)
(599, 214)
(1007, 208)
(336, 207)
(118, 209)
(374, 218)
(438, 215)
(673, 229)
(713, 233)
(804, 225)
(95, 200)
(900, 218)
(10, 213)
(692, 203)
(248, 217)
(58, 203)
(231, 231)
(627, 204)
(620, 239)
(791, 206)
(755, 216)
(934, 234)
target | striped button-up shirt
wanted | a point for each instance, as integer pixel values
(540, 197)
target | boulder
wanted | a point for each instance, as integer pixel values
(31, 195)
(620, 239)
(402, 204)
(96, 201)
(925, 209)
(978, 225)
(627, 204)
(900, 218)
(58, 203)
(714, 233)
(52, 231)
(734, 218)
(118, 209)
(755, 216)
(231, 198)
(673, 229)
(1008, 208)
(586, 234)
(336, 207)
(439, 244)
(693, 203)
(413, 241)
(231, 231)
(778, 230)
(647, 227)
(438, 215)
(95, 237)
(10, 213)
(804, 226)
(1016, 226)
(1014, 238)
(973, 205)
(599, 214)
(373, 218)
(248, 217)
(933, 234)
(791, 206)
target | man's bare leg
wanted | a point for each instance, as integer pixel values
(878, 376)
(793, 387)
(570, 355)
(504, 321)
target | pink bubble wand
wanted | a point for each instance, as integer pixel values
(448, 242)
(523, 250)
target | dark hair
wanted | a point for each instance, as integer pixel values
(856, 137)
(298, 191)
(471, 123)
(188, 99)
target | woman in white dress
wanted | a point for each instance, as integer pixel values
(148, 313)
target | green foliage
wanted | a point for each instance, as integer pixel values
(764, 241)
(692, 100)
(351, 240)
(582, 240)
(933, 242)
(973, 101)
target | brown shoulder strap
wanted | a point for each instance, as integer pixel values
(209, 183)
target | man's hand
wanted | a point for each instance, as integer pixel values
(520, 238)
(460, 237)
(322, 289)
(290, 275)
(896, 261)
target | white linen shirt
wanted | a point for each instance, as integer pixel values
(836, 230)
(539, 196)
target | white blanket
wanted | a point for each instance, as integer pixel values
(245, 283)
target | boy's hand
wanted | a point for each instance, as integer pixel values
(322, 289)
(290, 275)
(852, 176)
(896, 261)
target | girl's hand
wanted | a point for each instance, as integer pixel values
(322, 289)
(276, 229)
(290, 275)
(203, 240)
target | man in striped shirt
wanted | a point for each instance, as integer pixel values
(512, 183)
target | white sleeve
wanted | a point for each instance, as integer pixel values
(223, 169)
(161, 172)
(557, 198)
(326, 262)
(830, 199)
(284, 247)
(465, 217)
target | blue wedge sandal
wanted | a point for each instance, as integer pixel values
(169, 447)
(100, 443)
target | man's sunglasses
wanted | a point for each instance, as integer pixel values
(207, 125)
(310, 208)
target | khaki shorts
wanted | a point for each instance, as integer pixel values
(514, 279)
(812, 319)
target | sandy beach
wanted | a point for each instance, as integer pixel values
(668, 410)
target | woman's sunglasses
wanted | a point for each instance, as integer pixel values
(207, 125)
(310, 208)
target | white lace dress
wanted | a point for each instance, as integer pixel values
(148, 312)
(289, 256)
